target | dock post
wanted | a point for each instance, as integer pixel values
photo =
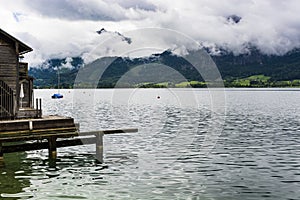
(99, 147)
(40, 109)
(37, 107)
(1, 152)
(52, 148)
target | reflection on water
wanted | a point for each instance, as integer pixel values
(257, 156)
(14, 174)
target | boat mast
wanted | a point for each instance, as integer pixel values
(58, 79)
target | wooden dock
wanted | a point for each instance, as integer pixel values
(49, 132)
(22, 126)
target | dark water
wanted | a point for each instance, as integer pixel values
(245, 147)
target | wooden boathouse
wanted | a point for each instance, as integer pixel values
(21, 121)
(16, 86)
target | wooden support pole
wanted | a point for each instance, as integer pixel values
(112, 131)
(40, 109)
(99, 147)
(52, 147)
(37, 107)
(1, 152)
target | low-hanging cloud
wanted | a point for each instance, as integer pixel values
(66, 28)
(77, 10)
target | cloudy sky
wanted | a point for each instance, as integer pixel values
(65, 28)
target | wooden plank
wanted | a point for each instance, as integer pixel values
(10, 81)
(53, 123)
(7, 72)
(62, 133)
(8, 54)
(44, 145)
(3, 42)
(110, 131)
(46, 123)
(38, 131)
(8, 77)
(23, 69)
(38, 136)
(59, 133)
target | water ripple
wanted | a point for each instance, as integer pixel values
(257, 156)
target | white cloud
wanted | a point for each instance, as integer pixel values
(66, 28)
(68, 63)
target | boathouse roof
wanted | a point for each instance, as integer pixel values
(23, 48)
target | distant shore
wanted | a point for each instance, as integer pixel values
(255, 81)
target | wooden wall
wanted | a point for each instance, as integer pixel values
(9, 70)
(13, 73)
(8, 65)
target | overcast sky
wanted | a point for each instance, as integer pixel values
(65, 28)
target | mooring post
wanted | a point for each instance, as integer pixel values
(1, 152)
(40, 109)
(99, 146)
(37, 108)
(52, 147)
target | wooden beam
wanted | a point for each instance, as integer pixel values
(38, 131)
(38, 137)
(59, 133)
(44, 145)
(111, 131)
(17, 48)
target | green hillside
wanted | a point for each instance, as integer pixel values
(247, 70)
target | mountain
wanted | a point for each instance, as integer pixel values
(46, 74)
(252, 69)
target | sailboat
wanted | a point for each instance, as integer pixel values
(57, 95)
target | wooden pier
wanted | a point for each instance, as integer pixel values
(22, 125)
(50, 132)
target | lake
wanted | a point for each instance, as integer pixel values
(192, 144)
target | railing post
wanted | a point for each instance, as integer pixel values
(40, 108)
(37, 107)
(99, 146)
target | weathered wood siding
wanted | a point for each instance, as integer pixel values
(8, 65)
(12, 75)
(23, 70)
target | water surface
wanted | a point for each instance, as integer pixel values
(255, 156)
